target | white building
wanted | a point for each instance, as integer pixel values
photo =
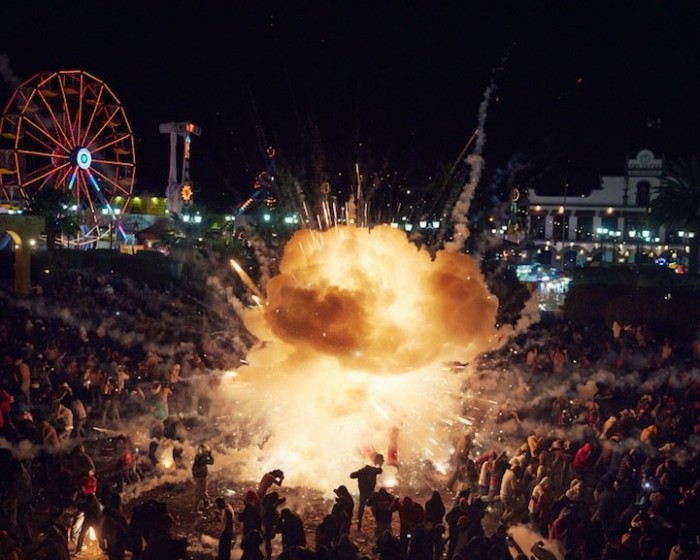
(609, 225)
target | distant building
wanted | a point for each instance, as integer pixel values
(609, 225)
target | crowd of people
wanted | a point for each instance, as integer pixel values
(599, 459)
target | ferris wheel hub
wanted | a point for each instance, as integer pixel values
(83, 158)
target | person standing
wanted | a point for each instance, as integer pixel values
(200, 470)
(381, 504)
(250, 516)
(227, 535)
(366, 481)
(113, 528)
(291, 527)
(23, 376)
(87, 503)
(270, 518)
(434, 514)
(273, 477)
(343, 508)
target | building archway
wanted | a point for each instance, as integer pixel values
(22, 229)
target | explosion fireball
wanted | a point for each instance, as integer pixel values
(354, 334)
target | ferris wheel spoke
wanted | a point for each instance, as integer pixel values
(66, 111)
(40, 141)
(98, 189)
(110, 143)
(73, 177)
(111, 162)
(116, 187)
(92, 115)
(54, 119)
(45, 132)
(80, 190)
(106, 123)
(43, 154)
(61, 177)
(79, 111)
(33, 180)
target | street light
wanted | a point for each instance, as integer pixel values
(602, 232)
(111, 212)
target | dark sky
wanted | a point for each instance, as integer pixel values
(397, 89)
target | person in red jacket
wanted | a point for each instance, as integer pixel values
(582, 458)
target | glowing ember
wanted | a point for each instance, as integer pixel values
(355, 332)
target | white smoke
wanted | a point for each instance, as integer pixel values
(460, 211)
(10, 78)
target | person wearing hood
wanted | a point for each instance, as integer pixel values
(291, 527)
(461, 511)
(343, 508)
(410, 515)
(327, 534)
(434, 517)
(380, 502)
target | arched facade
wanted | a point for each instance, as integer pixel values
(22, 229)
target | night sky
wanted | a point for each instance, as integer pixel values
(395, 89)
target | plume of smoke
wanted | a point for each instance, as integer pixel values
(263, 254)
(529, 315)
(6, 71)
(460, 211)
(526, 539)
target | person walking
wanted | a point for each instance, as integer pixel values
(366, 481)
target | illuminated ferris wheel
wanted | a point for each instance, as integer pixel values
(67, 131)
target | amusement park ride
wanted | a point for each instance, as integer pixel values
(179, 192)
(67, 131)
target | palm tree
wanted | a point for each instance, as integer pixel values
(677, 204)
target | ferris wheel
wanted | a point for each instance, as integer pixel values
(67, 131)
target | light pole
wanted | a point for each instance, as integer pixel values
(686, 236)
(111, 212)
(601, 233)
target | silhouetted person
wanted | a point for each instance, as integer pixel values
(366, 482)
(270, 517)
(273, 477)
(250, 516)
(343, 508)
(291, 527)
(113, 528)
(250, 545)
(200, 471)
(381, 503)
(227, 535)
